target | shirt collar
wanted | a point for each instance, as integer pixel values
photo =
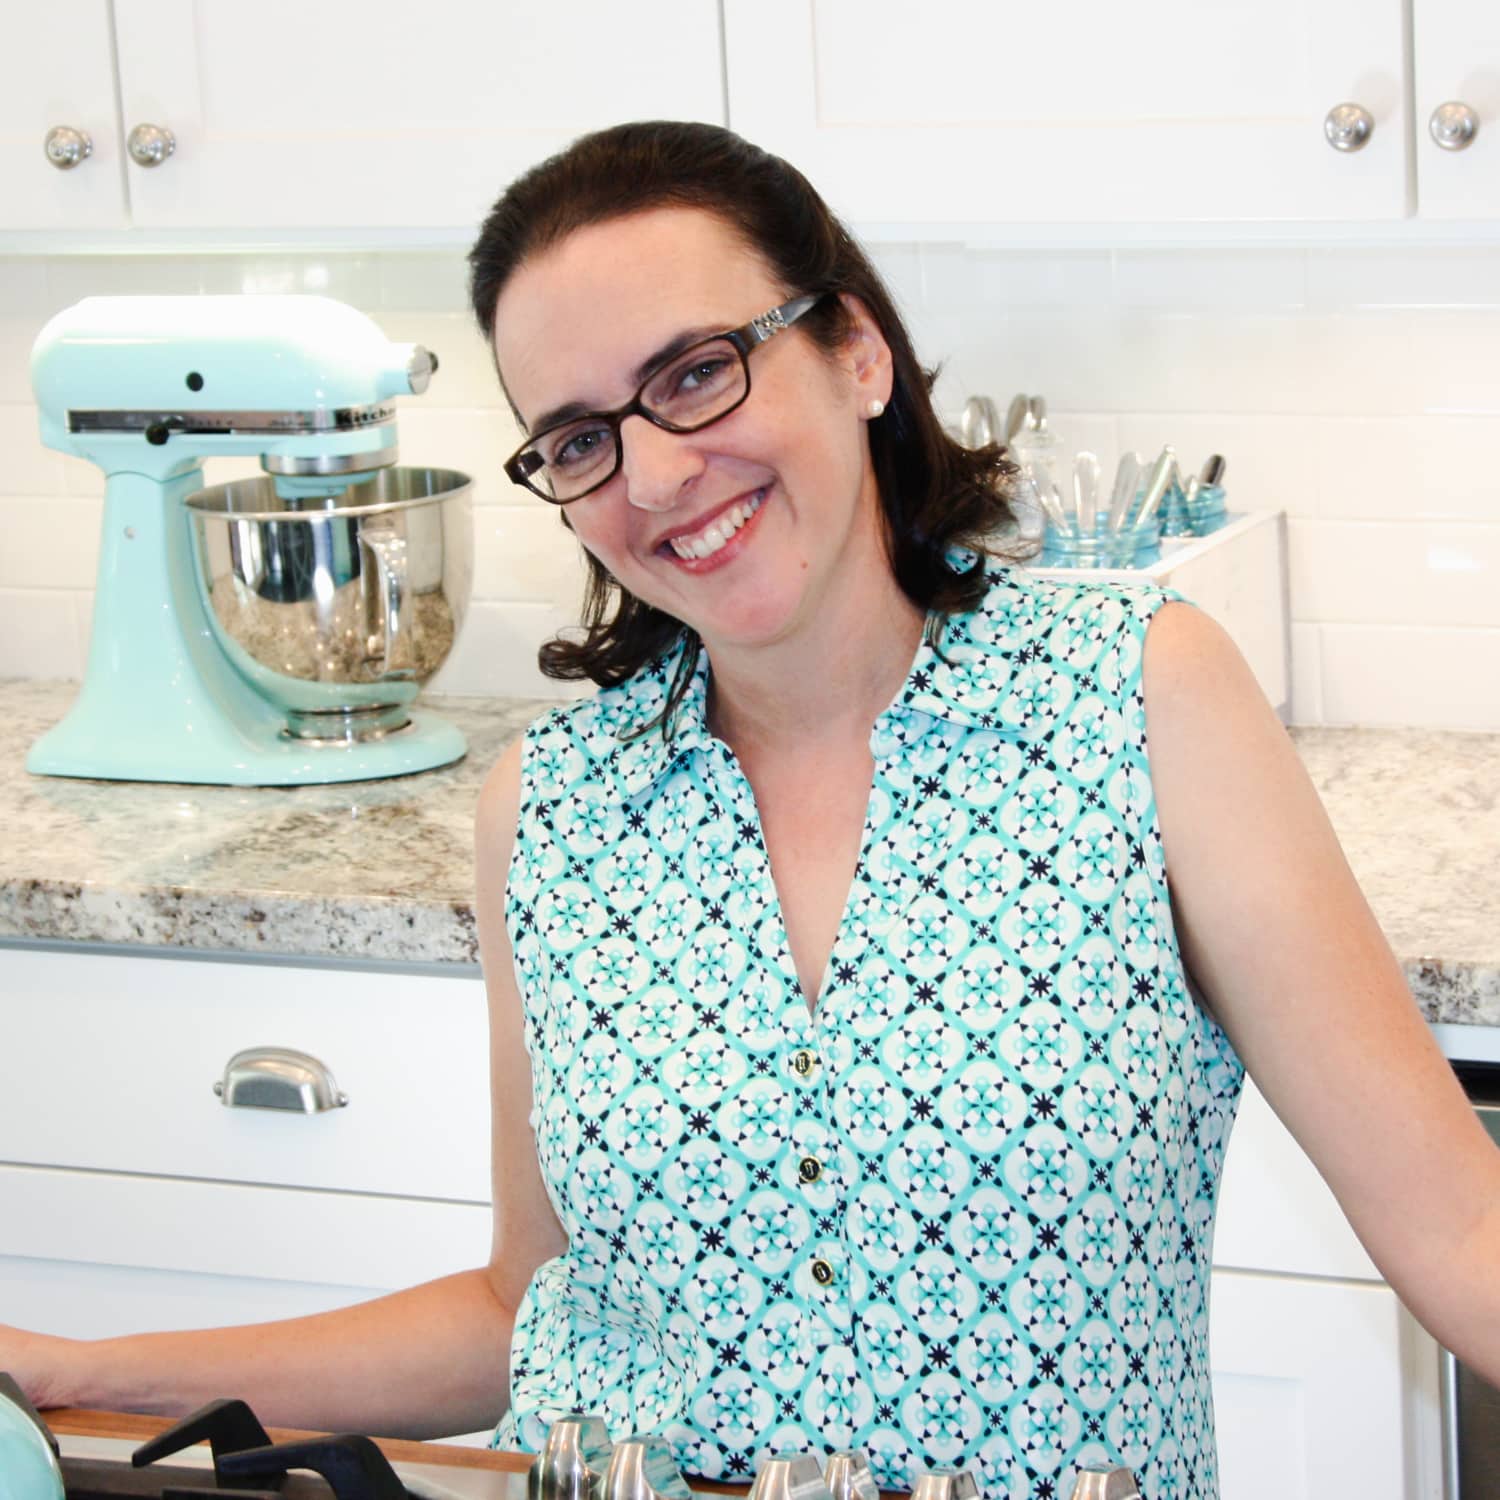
(980, 671)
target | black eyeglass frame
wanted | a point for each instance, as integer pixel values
(744, 340)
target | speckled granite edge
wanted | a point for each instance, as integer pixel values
(381, 872)
(397, 930)
(1455, 993)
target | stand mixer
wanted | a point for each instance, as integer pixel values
(272, 631)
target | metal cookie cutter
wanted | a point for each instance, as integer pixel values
(849, 1478)
(573, 1460)
(790, 1477)
(945, 1484)
(642, 1468)
(1100, 1482)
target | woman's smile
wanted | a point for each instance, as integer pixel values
(713, 540)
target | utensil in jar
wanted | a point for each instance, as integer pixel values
(979, 423)
(1162, 473)
(1212, 471)
(1017, 415)
(1046, 494)
(1127, 482)
(1086, 489)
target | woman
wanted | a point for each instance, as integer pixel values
(838, 949)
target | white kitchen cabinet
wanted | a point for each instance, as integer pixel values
(1457, 61)
(1308, 1391)
(294, 116)
(1323, 1383)
(57, 70)
(130, 1197)
(964, 111)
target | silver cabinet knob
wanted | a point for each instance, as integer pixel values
(66, 147)
(279, 1078)
(1453, 125)
(1348, 127)
(150, 145)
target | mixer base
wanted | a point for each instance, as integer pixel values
(346, 726)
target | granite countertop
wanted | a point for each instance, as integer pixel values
(381, 871)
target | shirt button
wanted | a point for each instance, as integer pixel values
(804, 1062)
(809, 1169)
(822, 1272)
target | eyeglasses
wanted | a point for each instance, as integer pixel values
(705, 382)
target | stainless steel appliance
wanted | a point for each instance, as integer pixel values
(1471, 1405)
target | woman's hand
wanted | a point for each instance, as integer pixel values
(39, 1364)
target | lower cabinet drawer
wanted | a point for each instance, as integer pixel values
(109, 1063)
(233, 1229)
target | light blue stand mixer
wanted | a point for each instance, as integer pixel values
(272, 631)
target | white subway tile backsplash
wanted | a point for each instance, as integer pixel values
(32, 558)
(474, 440)
(39, 634)
(1210, 281)
(24, 308)
(1355, 387)
(429, 281)
(1438, 573)
(525, 553)
(900, 266)
(1307, 674)
(998, 282)
(466, 369)
(1395, 675)
(1268, 455)
(495, 653)
(28, 468)
(1421, 276)
(1439, 468)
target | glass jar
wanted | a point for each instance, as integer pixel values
(1132, 546)
(1205, 512)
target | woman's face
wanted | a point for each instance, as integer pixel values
(582, 320)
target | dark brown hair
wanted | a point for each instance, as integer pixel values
(934, 493)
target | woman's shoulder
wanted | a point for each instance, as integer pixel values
(1046, 624)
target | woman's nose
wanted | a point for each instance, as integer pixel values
(656, 463)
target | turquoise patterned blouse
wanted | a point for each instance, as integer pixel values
(962, 1215)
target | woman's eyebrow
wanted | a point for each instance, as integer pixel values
(570, 410)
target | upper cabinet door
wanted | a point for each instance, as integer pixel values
(975, 111)
(57, 75)
(1458, 99)
(345, 114)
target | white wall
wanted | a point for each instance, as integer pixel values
(1356, 388)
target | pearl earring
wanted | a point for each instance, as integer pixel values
(875, 408)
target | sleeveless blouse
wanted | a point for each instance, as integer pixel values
(961, 1215)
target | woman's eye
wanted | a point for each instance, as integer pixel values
(578, 446)
(701, 373)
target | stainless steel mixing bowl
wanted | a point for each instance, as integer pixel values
(337, 609)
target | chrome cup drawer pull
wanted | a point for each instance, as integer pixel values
(279, 1078)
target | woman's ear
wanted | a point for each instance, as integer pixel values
(865, 353)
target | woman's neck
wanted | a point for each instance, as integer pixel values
(828, 682)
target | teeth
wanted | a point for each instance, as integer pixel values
(719, 530)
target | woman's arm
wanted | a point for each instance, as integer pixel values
(1290, 960)
(424, 1362)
